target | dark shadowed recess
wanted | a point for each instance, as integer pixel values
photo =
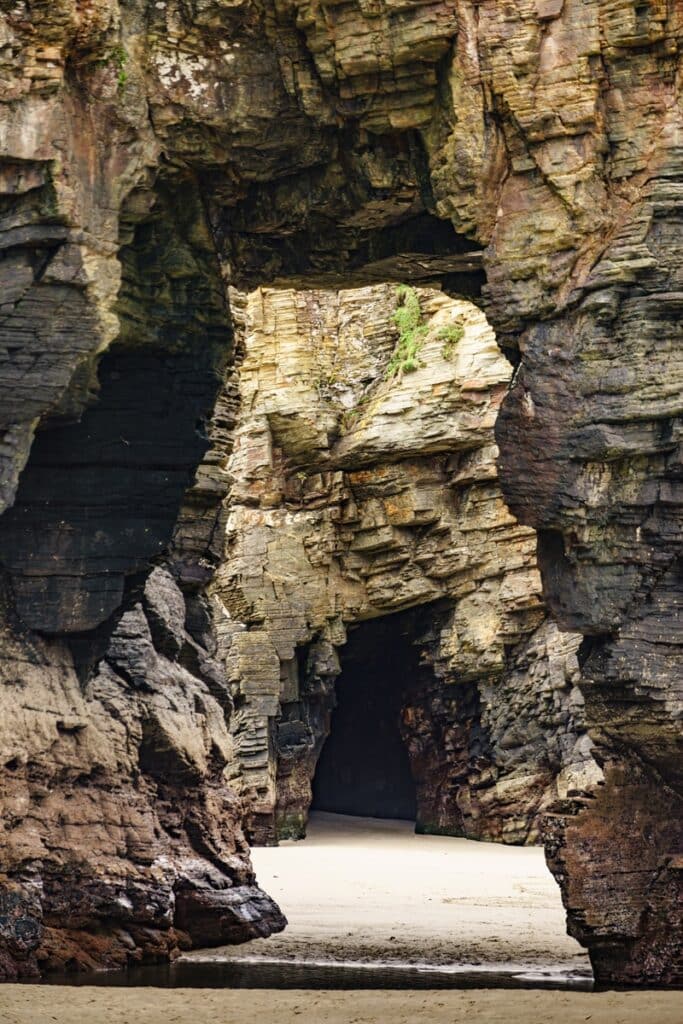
(403, 738)
(420, 248)
(362, 213)
(364, 768)
(100, 495)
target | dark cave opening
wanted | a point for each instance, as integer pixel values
(99, 497)
(101, 492)
(421, 249)
(364, 768)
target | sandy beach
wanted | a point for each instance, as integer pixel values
(47, 1005)
(360, 889)
(371, 891)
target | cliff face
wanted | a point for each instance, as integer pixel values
(149, 154)
(120, 838)
(360, 489)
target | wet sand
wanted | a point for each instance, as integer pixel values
(359, 889)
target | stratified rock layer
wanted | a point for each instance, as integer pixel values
(119, 834)
(149, 153)
(360, 490)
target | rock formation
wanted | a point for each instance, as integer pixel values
(120, 838)
(526, 154)
(358, 490)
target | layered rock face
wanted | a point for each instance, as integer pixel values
(151, 153)
(121, 840)
(360, 489)
(598, 402)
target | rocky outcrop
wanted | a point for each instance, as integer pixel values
(360, 489)
(121, 841)
(149, 153)
(490, 755)
(604, 497)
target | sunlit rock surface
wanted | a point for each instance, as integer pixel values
(151, 154)
(359, 490)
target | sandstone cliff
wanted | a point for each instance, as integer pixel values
(527, 154)
(359, 489)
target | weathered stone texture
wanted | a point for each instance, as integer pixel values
(490, 755)
(598, 402)
(380, 59)
(118, 829)
(302, 144)
(356, 494)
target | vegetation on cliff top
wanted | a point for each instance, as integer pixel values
(411, 333)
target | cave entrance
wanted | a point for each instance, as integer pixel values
(364, 767)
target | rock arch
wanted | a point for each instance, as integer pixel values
(547, 134)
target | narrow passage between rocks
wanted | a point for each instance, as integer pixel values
(364, 768)
(372, 891)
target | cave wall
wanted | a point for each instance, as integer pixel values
(122, 841)
(357, 493)
(603, 438)
(547, 132)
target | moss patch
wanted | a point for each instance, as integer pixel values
(450, 336)
(411, 333)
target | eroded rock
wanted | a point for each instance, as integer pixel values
(114, 801)
(304, 146)
(361, 490)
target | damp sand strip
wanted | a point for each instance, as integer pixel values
(365, 891)
(374, 887)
